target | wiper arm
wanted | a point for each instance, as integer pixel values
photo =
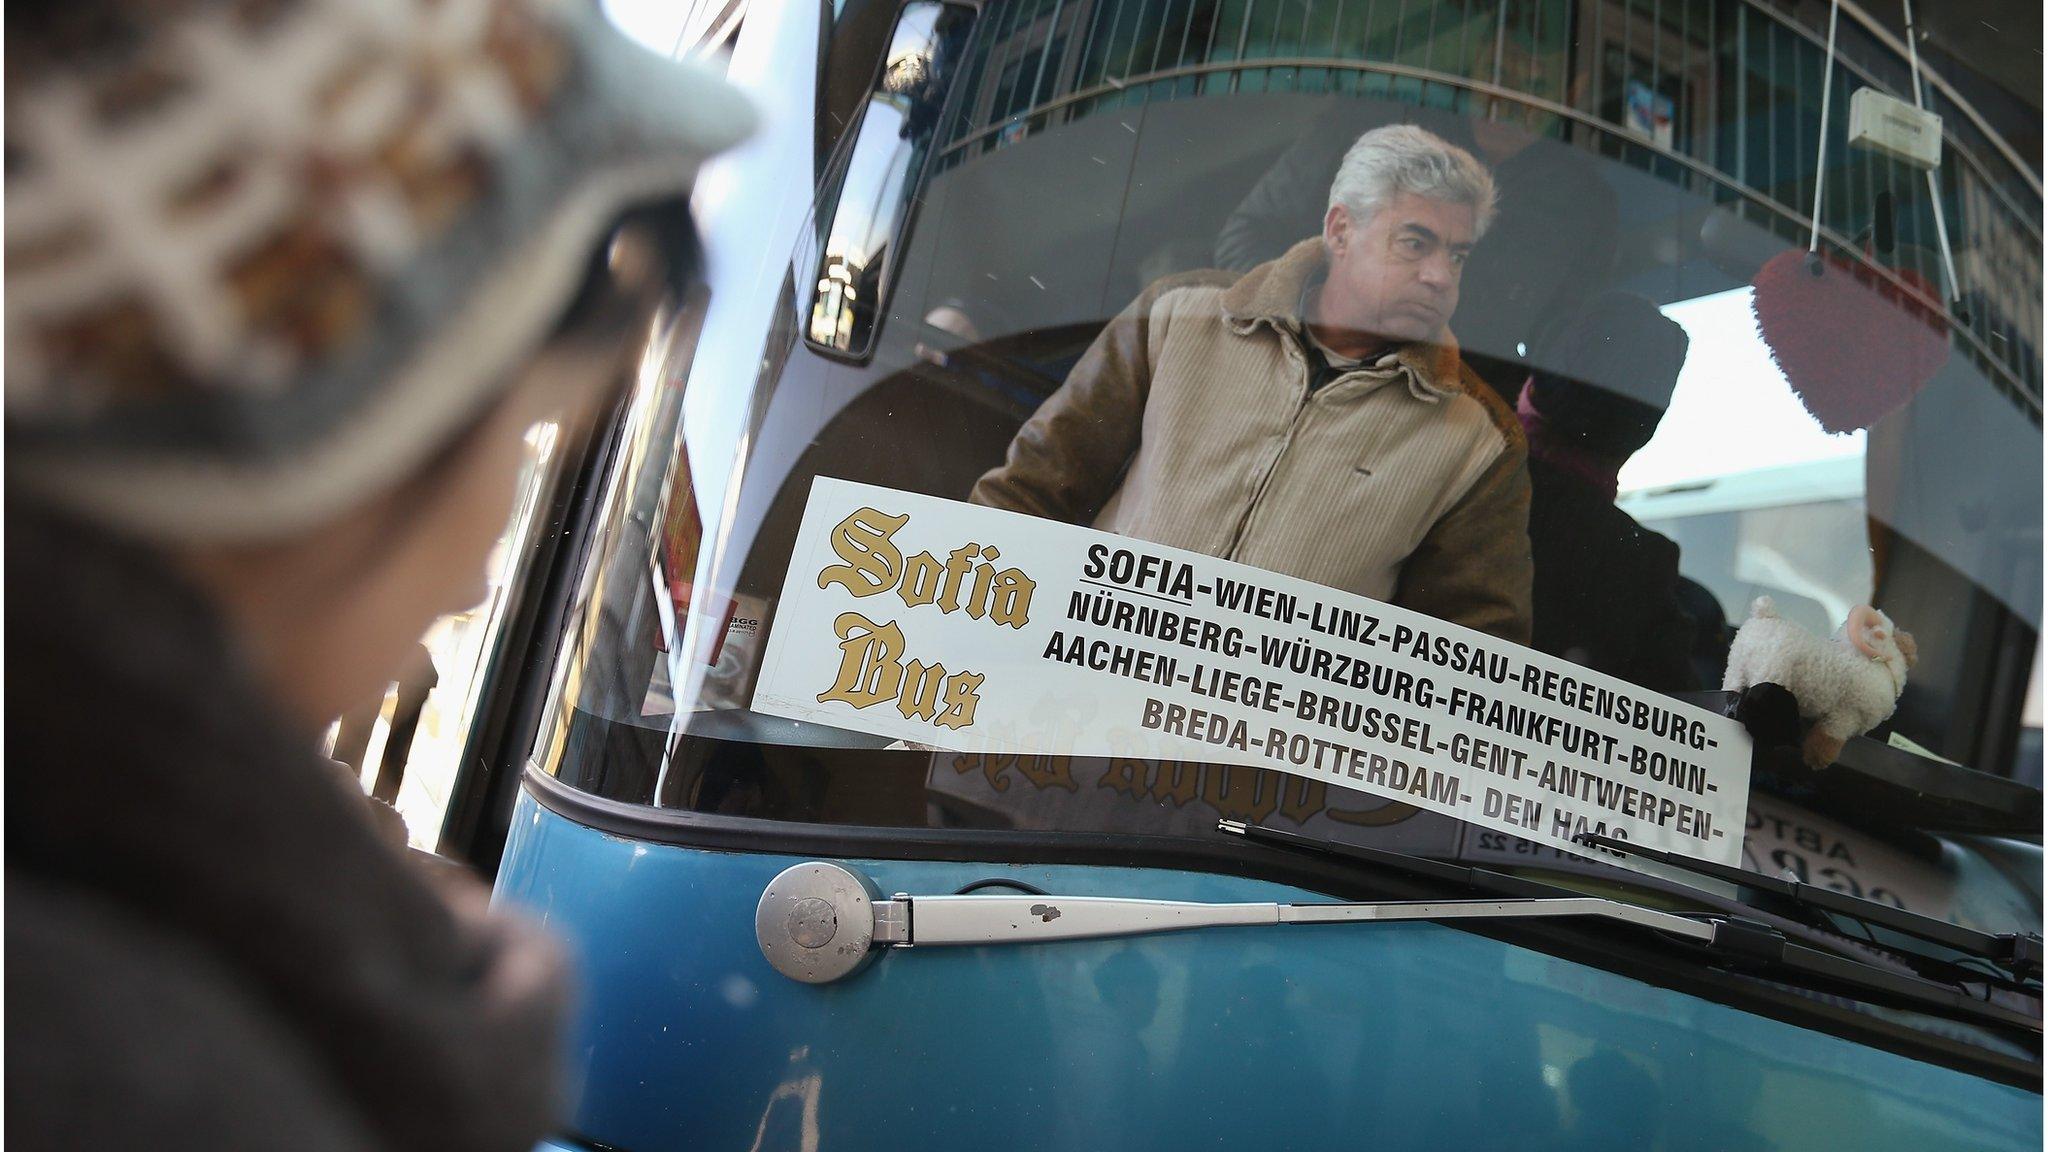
(2018, 953)
(1736, 943)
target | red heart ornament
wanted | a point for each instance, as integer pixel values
(1852, 342)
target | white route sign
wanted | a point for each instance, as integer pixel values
(981, 630)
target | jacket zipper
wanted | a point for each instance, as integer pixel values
(1294, 426)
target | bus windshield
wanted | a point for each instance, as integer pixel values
(1596, 329)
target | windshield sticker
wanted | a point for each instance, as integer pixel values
(971, 629)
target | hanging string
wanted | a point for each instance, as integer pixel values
(1948, 260)
(1827, 92)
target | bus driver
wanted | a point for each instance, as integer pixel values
(1311, 417)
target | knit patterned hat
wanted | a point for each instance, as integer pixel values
(264, 258)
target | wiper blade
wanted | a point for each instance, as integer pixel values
(2018, 953)
(1733, 942)
(1900, 989)
(1477, 879)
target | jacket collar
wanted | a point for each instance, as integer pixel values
(1271, 294)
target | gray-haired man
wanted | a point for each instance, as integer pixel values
(1311, 417)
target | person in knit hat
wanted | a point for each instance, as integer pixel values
(1606, 589)
(286, 284)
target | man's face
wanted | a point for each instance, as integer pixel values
(1396, 276)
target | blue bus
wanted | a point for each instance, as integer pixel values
(803, 935)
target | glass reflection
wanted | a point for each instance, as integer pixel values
(874, 195)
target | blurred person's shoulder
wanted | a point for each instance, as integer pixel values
(123, 1033)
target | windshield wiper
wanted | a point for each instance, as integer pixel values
(1478, 879)
(1734, 942)
(2018, 953)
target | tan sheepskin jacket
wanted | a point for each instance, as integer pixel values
(1189, 422)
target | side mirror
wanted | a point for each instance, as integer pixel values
(864, 212)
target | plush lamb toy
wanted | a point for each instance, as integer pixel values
(1846, 685)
